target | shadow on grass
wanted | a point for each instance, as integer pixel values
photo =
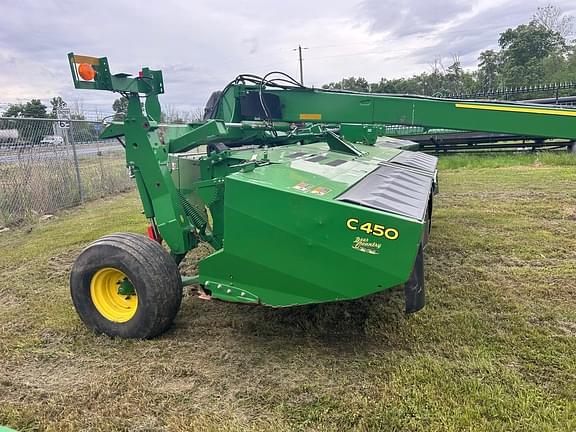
(341, 323)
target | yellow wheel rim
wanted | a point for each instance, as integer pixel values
(104, 292)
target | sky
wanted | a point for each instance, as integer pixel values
(202, 45)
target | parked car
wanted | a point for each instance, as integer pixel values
(8, 136)
(52, 140)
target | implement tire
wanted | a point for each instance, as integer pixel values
(126, 285)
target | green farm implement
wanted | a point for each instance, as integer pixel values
(296, 190)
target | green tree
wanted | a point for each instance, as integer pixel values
(438, 81)
(57, 104)
(34, 109)
(120, 106)
(529, 42)
(31, 131)
(488, 69)
(14, 110)
(455, 76)
(355, 84)
(434, 82)
(524, 50)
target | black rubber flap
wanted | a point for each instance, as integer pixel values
(414, 289)
(392, 189)
(421, 161)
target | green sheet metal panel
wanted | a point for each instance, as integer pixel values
(286, 244)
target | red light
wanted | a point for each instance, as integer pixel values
(86, 72)
(153, 234)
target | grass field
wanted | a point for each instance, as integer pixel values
(495, 348)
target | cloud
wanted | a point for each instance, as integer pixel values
(411, 17)
(202, 45)
(449, 28)
(475, 32)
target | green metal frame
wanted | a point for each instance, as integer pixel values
(271, 234)
(363, 114)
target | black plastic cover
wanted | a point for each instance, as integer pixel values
(212, 105)
(392, 189)
(421, 161)
(251, 106)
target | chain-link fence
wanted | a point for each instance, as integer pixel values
(48, 165)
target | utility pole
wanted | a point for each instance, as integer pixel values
(299, 49)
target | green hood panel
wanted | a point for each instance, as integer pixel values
(290, 239)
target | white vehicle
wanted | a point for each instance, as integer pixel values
(8, 135)
(52, 140)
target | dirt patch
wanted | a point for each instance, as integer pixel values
(570, 213)
(9, 300)
(46, 376)
(189, 266)
(568, 327)
(60, 264)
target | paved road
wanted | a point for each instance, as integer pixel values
(47, 153)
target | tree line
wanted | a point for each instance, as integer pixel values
(36, 109)
(32, 131)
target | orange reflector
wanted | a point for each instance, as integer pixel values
(86, 72)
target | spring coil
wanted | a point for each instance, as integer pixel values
(193, 213)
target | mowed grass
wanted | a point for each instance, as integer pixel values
(494, 349)
(500, 159)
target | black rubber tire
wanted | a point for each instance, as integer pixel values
(153, 273)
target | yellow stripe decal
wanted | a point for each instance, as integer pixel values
(310, 116)
(508, 108)
(94, 61)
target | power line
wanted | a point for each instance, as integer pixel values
(299, 49)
